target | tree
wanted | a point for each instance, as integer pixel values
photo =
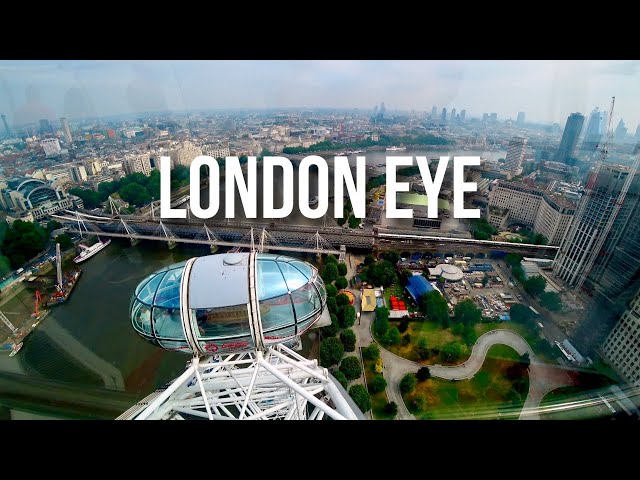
(378, 384)
(381, 322)
(331, 351)
(485, 280)
(369, 260)
(423, 374)
(422, 349)
(64, 240)
(332, 306)
(342, 269)
(469, 335)
(90, 198)
(360, 397)
(392, 257)
(348, 339)
(382, 273)
(330, 272)
(372, 352)
(346, 316)
(339, 376)
(467, 313)
(408, 383)
(434, 306)
(331, 330)
(404, 325)
(393, 336)
(22, 241)
(404, 276)
(519, 313)
(351, 367)
(451, 352)
(5, 265)
(513, 259)
(341, 283)
(551, 301)
(342, 299)
(331, 258)
(534, 286)
(331, 290)
(391, 409)
(354, 221)
(406, 339)
(53, 225)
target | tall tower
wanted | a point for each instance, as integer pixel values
(463, 114)
(453, 115)
(434, 112)
(6, 126)
(443, 117)
(572, 130)
(515, 154)
(66, 130)
(520, 120)
(621, 131)
(595, 131)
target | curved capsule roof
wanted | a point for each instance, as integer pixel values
(228, 302)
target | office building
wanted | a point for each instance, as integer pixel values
(443, 117)
(595, 131)
(520, 120)
(485, 117)
(463, 114)
(621, 132)
(494, 118)
(546, 213)
(570, 135)
(216, 150)
(33, 196)
(622, 346)
(515, 155)
(575, 260)
(434, 112)
(7, 131)
(45, 126)
(66, 130)
(51, 146)
(78, 173)
(184, 154)
(453, 115)
(139, 163)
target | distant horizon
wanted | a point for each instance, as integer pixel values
(547, 91)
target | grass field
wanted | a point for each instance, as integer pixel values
(490, 394)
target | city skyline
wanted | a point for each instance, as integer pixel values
(547, 91)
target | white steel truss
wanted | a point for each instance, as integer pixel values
(276, 384)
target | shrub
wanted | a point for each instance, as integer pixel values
(346, 316)
(348, 339)
(331, 290)
(341, 282)
(360, 397)
(331, 258)
(391, 408)
(351, 367)
(342, 299)
(378, 384)
(341, 378)
(404, 325)
(406, 339)
(330, 272)
(408, 383)
(331, 351)
(423, 374)
(331, 330)
(393, 336)
(342, 269)
(372, 352)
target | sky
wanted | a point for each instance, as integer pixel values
(547, 91)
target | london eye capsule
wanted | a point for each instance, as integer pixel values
(228, 303)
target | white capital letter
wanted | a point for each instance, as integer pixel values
(214, 178)
(323, 187)
(394, 187)
(432, 187)
(460, 186)
(247, 190)
(165, 192)
(267, 187)
(341, 176)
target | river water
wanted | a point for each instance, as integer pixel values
(85, 360)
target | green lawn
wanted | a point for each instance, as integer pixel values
(435, 335)
(490, 394)
(378, 400)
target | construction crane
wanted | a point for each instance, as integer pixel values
(36, 314)
(58, 266)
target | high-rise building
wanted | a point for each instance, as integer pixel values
(515, 155)
(637, 130)
(51, 146)
(453, 115)
(520, 120)
(595, 131)
(621, 131)
(494, 117)
(6, 126)
(382, 110)
(622, 346)
(443, 117)
(574, 260)
(66, 130)
(434, 112)
(572, 130)
(485, 117)
(45, 126)
(216, 150)
(78, 173)
(463, 114)
(186, 152)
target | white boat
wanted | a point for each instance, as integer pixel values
(88, 252)
(15, 349)
(396, 149)
(313, 201)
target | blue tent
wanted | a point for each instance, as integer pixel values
(418, 286)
